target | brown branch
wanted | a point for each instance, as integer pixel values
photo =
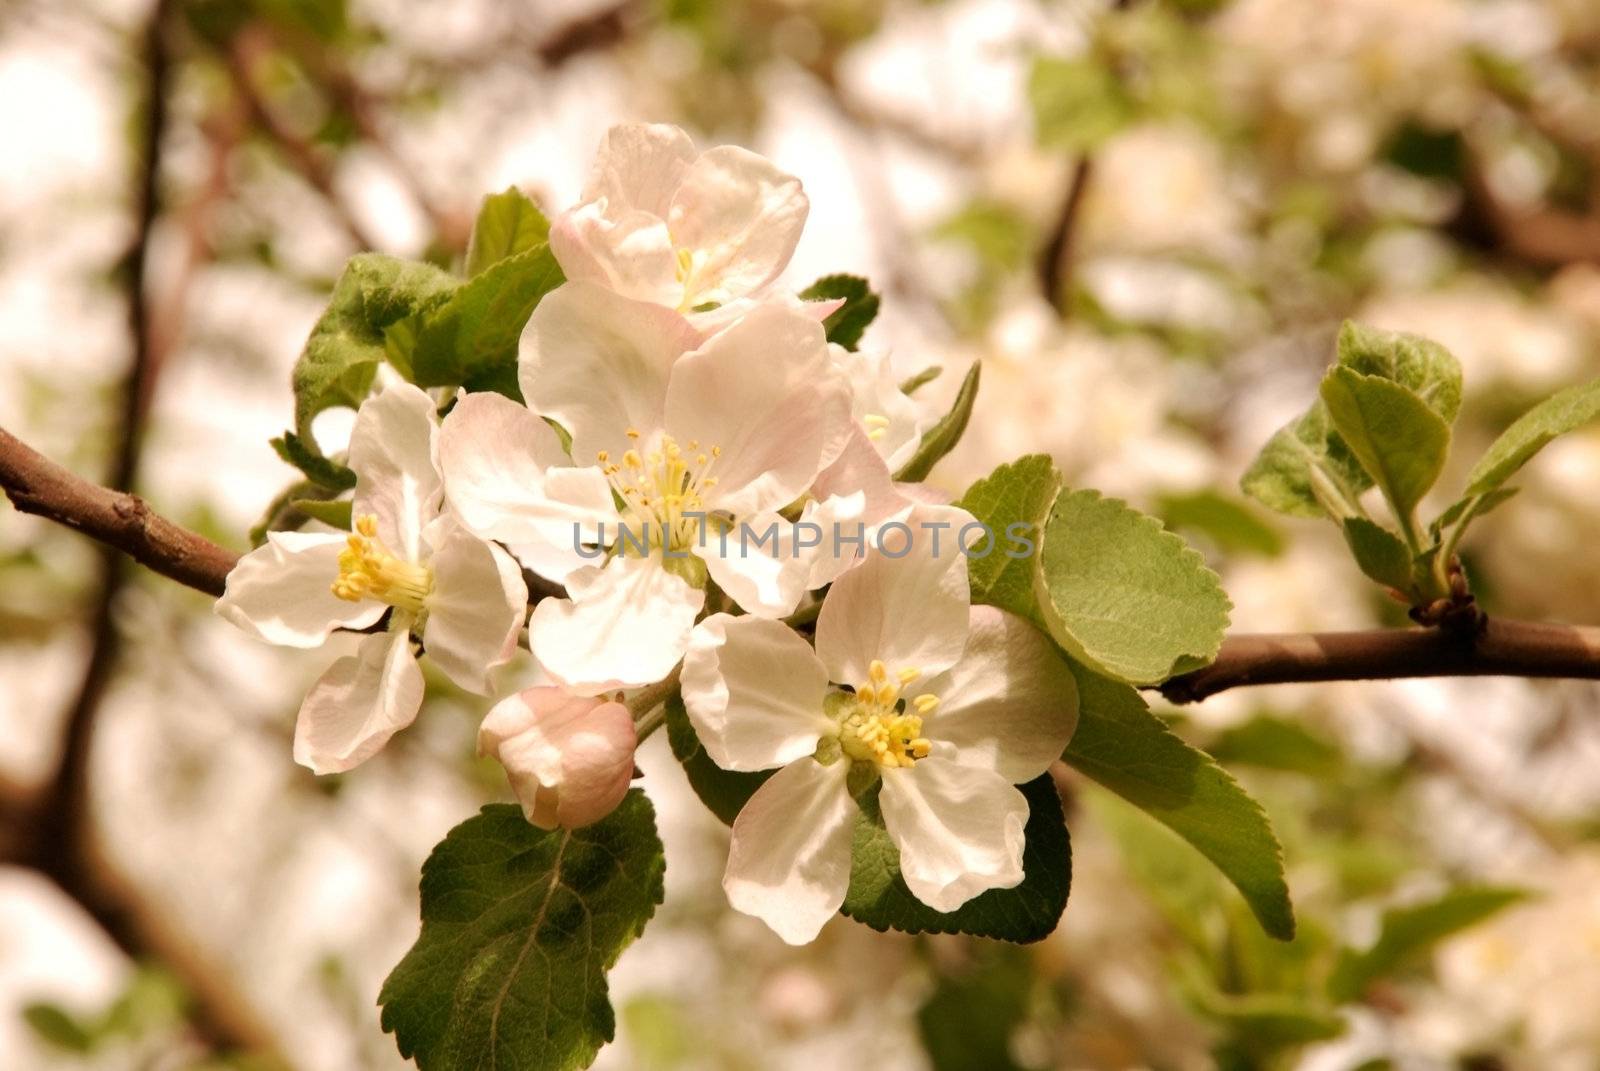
(122, 521)
(1500, 649)
(1055, 260)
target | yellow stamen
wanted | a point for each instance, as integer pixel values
(368, 570)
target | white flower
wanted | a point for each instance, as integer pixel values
(462, 597)
(891, 421)
(691, 444)
(951, 706)
(661, 223)
(569, 759)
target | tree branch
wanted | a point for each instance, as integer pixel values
(1501, 648)
(1055, 260)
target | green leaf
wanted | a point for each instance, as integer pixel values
(1409, 932)
(1421, 365)
(1078, 102)
(333, 512)
(1306, 470)
(341, 356)
(1265, 1022)
(1130, 751)
(1123, 594)
(471, 340)
(1229, 524)
(879, 898)
(724, 792)
(508, 223)
(1528, 434)
(968, 1020)
(320, 470)
(846, 324)
(1379, 552)
(1277, 744)
(519, 926)
(942, 438)
(1398, 439)
(1011, 501)
(59, 1028)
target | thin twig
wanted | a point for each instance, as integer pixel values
(1055, 260)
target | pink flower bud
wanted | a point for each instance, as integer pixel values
(569, 758)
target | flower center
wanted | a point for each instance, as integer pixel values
(660, 487)
(881, 727)
(367, 570)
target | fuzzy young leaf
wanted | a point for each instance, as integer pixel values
(1379, 553)
(1529, 433)
(342, 354)
(508, 223)
(912, 384)
(1228, 523)
(846, 324)
(1013, 499)
(1130, 751)
(471, 339)
(942, 438)
(1124, 595)
(1398, 439)
(724, 792)
(1302, 456)
(1421, 365)
(332, 512)
(879, 898)
(319, 470)
(1409, 932)
(519, 926)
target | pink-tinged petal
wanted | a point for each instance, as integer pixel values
(597, 364)
(392, 453)
(759, 564)
(282, 592)
(508, 479)
(639, 166)
(740, 217)
(762, 392)
(625, 626)
(355, 707)
(476, 608)
(909, 611)
(629, 252)
(959, 830)
(569, 759)
(789, 863)
(754, 691)
(1010, 704)
(851, 498)
(709, 321)
(890, 420)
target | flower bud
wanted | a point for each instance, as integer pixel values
(569, 758)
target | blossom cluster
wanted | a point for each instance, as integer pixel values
(670, 388)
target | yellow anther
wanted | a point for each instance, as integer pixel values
(925, 703)
(878, 671)
(909, 674)
(875, 420)
(603, 456)
(633, 460)
(367, 569)
(633, 433)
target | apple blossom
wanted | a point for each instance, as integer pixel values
(993, 704)
(691, 444)
(661, 223)
(462, 597)
(569, 758)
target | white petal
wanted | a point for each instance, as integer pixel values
(508, 479)
(626, 625)
(758, 564)
(1010, 703)
(475, 609)
(628, 252)
(763, 392)
(789, 863)
(597, 364)
(640, 166)
(908, 611)
(959, 830)
(891, 420)
(754, 691)
(852, 497)
(282, 592)
(569, 759)
(355, 707)
(392, 454)
(740, 217)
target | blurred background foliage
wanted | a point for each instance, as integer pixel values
(1147, 218)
